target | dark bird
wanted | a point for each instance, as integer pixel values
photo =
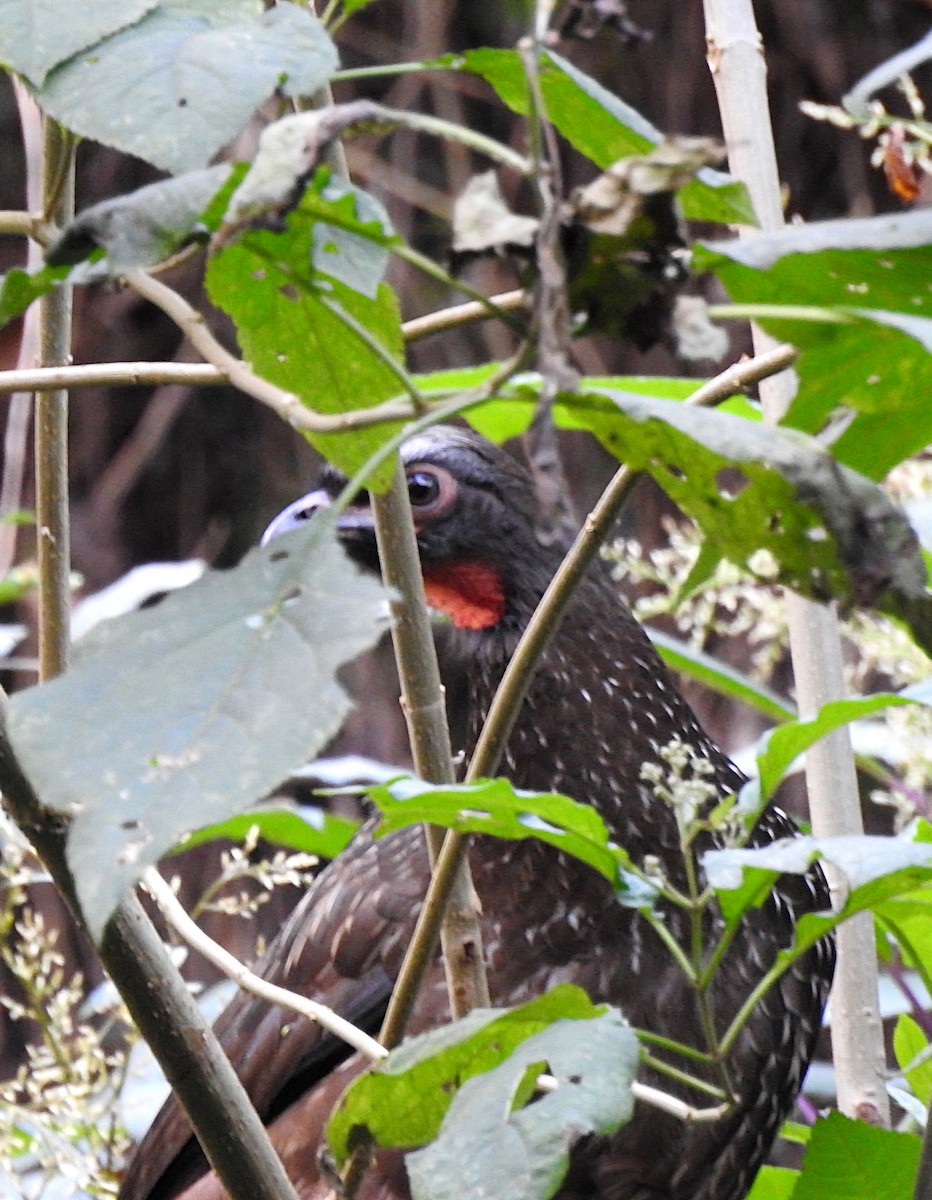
(601, 706)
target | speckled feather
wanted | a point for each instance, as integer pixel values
(601, 705)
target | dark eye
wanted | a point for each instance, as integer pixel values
(423, 488)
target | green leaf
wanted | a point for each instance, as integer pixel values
(19, 288)
(36, 35)
(207, 69)
(402, 1101)
(493, 806)
(909, 1042)
(296, 324)
(784, 745)
(18, 582)
(492, 1143)
(351, 236)
(312, 831)
(721, 678)
(869, 351)
(180, 715)
(831, 530)
(599, 124)
(773, 1183)
(851, 1160)
(144, 227)
(908, 918)
(877, 869)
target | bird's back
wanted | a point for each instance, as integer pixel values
(601, 706)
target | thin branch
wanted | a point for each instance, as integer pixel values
(463, 314)
(480, 142)
(551, 302)
(208, 374)
(240, 375)
(21, 224)
(16, 442)
(422, 699)
(174, 913)
(684, 1077)
(51, 428)
(677, 1108)
(734, 379)
(121, 374)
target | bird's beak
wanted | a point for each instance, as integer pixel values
(354, 520)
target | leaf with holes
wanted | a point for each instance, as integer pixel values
(861, 314)
(828, 531)
(831, 532)
(183, 714)
(305, 329)
(493, 1142)
(402, 1101)
(209, 64)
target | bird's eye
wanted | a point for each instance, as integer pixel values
(423, 488)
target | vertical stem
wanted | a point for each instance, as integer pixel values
(739, 72)
(425, 713)
(227, 1125)
(51, 433)
(457, 916)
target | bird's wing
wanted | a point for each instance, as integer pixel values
(342, 945)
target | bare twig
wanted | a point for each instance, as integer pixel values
(857, 1035)
(175, 914)
(677, 1108)
(462, 314)
(121, 374)
(188, 929)
(19, 413)
(51, 432)
(551, 302)
(734, 379)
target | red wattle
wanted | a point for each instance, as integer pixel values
(470, 593)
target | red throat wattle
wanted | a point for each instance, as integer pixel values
(470, 593)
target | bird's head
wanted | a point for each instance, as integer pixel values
(473, 507)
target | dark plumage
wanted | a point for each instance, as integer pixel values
(601, 705)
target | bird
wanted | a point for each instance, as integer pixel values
(601, 706)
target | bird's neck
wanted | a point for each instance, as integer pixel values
(600, 706)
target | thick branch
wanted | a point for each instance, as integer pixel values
(857, 1037)
(226, 1124)
(425, 713)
